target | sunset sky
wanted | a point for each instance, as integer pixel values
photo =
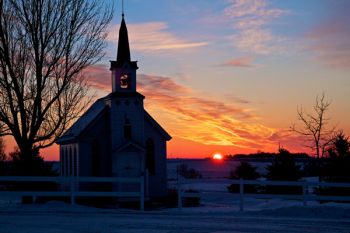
(227, 76)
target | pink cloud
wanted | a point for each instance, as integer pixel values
(98, 76)
(250, 19)
(154, 37)
(330, 40)
(240, 62)
(289, 140)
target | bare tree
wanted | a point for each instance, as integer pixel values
(315, 126)
(44, 47)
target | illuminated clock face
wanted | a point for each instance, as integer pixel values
(124, 81)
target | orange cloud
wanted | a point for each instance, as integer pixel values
(203, 120)
(153, 37)
(240, 62)
(199, 125)
(190, 116)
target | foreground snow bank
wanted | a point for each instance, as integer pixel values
(263, 216)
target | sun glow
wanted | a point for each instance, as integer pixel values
(217, 156)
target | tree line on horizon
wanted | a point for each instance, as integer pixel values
(334, 168)
(266, 155)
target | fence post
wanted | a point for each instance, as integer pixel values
(305, 191)
(142, 193)
(241, 193)
(72, 190)
(179, 193)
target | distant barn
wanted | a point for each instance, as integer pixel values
(116, 136)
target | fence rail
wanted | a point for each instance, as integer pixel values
(305, 195)
(73, 191)
(73, 184)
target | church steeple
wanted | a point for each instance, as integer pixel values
(123, 43)
(123, 69)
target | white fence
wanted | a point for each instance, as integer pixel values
(306, 195)
(73, 183)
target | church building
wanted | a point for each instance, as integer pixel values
(116, 137)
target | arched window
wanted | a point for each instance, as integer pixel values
(62, 160)
(150, 157)
(75, 159)
(70, 162)
(95, 158)
(125, 81)
(127, 129)
(66, 165)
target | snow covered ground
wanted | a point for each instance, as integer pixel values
(260, 216)
(218, 213)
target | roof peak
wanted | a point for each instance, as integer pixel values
(123, 43)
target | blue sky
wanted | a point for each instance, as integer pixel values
(227, 75)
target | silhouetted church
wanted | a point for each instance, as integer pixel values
(116, 136)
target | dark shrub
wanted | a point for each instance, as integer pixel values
(283, 168)
(336, 168)
(244, 171)
(188, 173)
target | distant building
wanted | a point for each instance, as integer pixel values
(116, 136)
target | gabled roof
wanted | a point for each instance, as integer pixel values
(91, 114)
(157, 126)
(130, 144)
(94, 112)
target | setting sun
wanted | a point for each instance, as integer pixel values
(217, 156)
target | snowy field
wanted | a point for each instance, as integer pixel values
(212, 169)
(260, 216)
(58, 217)
(218, 213)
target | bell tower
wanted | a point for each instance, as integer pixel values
(127, 112)
(123, 69)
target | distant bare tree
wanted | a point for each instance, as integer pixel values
(315, 126)
(44, 46)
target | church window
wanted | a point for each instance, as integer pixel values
(70, 162)
(127, 130)
(95, 158)
(66, 168)
(63, 155)
(150, 156)
(75, 162)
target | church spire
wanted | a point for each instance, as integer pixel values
(123, 43)
(123, 69)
